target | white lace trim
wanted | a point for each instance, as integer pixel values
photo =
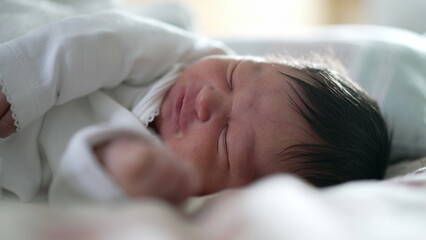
(151, 117)
(149, 106)
(12, 106)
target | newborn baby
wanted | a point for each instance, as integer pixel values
(222, 121)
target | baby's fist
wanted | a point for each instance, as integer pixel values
(146, 169)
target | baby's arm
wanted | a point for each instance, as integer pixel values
(145, 169)
(75, 57)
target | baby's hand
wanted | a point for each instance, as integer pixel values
(7, 123)
(145, 169)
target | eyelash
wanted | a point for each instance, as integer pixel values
(225, 135)
(225, 140)
(230, 85)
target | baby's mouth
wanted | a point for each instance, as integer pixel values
(185, 112)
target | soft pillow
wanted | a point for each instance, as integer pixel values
(395, 73)
(405, 167)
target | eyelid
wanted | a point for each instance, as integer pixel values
(231, 76)
(225, 140)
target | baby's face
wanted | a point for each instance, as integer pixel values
(230, 118)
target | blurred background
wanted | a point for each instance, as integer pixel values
(269, 18)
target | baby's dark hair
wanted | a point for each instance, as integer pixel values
(354, 142)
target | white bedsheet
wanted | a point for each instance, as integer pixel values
(278, 207)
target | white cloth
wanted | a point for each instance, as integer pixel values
(279, 207)
(110, 68)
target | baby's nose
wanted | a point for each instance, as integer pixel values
(210, 102)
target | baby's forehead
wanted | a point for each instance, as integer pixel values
(279, 124)
(282, 67)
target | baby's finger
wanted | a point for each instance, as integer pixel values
(155, 181)
(127, 162)
(179, 189)
(7, 124)
(155, 187)
(189, 185)
(178, 183)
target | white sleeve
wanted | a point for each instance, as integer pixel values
(79, 177)
(74, 57)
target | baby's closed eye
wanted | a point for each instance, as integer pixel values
(225, 140)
